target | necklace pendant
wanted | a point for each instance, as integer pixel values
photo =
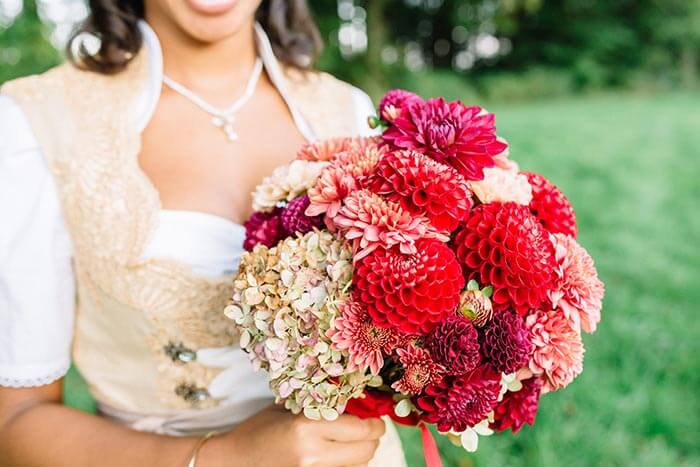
(225, 122)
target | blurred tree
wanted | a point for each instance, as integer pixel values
(530, 47)
(24, 47)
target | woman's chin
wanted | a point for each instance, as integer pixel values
(212, 7)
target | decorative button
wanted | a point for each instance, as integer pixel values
(179, 353)
(191, 393)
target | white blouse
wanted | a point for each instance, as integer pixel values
(37, 285)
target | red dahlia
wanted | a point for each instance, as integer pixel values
(460, 402)
(503, 245)
(450, 132)
(551, 207)
(506, 342)
(375, 404)
(423, 186)
(518, 408)
(454, 344)
(410, 292)
(295, 221)
(263, 228)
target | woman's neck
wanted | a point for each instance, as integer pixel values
(216, 70)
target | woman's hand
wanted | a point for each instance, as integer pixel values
(276, 437)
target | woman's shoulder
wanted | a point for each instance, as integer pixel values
(320, 81)
(318, 91)
(37, 86)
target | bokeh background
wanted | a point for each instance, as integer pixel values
(600, 96)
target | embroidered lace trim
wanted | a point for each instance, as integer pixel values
(35, 381)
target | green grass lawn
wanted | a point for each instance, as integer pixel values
(631, 167)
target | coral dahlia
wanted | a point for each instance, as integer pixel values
(419, 370)
(558, 354)
(450, 132)
(328, 149)
(519, 407)
(354, 331)
(370, 221)
(460, 402)
(411, 293)
(263, 228)
(503, 245)
(454, 344)
(347, 174)
(506, 342)
(423, 185)
(579, 292)
(551, 207)
(294, 219)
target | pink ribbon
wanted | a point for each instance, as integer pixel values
(430, 449)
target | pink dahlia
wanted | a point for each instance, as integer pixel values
(518, 408)
(579, 292)
(506, 342)
(460, 402)
(423, 186)
(370, 221)
(328, 149)
(343, 176)
(503, 245)
(419, 370)
(558, 354)
(354, 331)
(450, 132)
(263, 228)
(551, 207)
(411, 293)
(294, 219)
(394, 101)
(454, 344)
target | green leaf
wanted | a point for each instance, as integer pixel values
(487, 291)
(473, 285)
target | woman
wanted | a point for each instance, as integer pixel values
(122, 182)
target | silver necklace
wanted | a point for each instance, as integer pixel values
(222, 118)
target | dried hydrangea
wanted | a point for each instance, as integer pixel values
(285, 300)
(286, 183)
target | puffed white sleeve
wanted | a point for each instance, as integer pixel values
(37, 286)
(364, 108)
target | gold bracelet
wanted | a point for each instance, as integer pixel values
(198, 447)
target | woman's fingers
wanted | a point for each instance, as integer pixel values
(350, 454)
(348, 428)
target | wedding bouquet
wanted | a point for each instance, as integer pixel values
(418, 274)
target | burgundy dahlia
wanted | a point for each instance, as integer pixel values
(503, 245)
(454, 344)
(506, 342)
(518, 408)
(295, 221)
(409, 292)
(422, 185)
(460, 402)
(450, 132)
(263, 228)
(551, 207)
(394, 101)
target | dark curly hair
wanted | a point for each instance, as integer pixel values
(292, 31)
